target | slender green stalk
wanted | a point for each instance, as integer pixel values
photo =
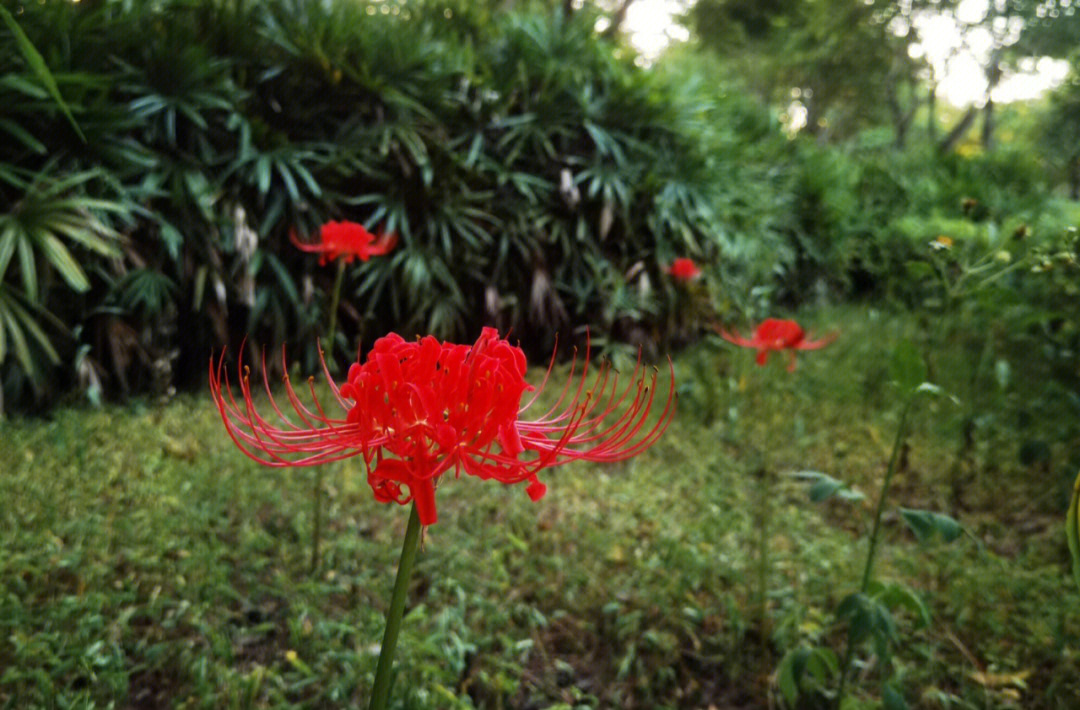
(316, 529)
(335, 299)
(380, 692)
(875, 533)
(901, 434)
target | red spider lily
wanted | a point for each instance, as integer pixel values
(683, 269)
(775, 334)
(415, 410)
(347, 240)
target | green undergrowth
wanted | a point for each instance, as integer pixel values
(144, 562)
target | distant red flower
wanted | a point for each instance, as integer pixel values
(775, 334)
(347, 240)
(683, 269)
(416, 410)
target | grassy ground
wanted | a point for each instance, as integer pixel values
(144, 562)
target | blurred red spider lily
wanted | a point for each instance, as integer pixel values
(776, 334)
(683, 269)
(346, 240)
(416, 410)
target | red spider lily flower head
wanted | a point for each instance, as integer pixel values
(776, 334)
(347, 240)
(683, 269)
(416, 410)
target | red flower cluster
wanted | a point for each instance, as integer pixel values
(415, 410)
(348, 240)
(775, 334)
(683, 269)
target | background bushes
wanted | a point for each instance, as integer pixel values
(539, 179)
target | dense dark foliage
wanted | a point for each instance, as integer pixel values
(538, 177)
(538, 180)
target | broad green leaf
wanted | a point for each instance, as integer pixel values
(34, 329)
(891, 699)
(925, 524)
(868, 619)
(8, 175)
(1072, 530)
(825, 486)
(27, 268)
(856, 609)
(304, 174)
(898, 595)
(14, 320)
(821, 665)
(23, 136)
(8, 238)
(286, 177)
(16, 82)
(61, 259)
(262, 173)
(39, 67)
(806, 669)
(172, 238)
(18, 342)
(785, 676)
(17, 322)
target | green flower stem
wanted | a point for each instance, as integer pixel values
(335, 299)
(380, 692)
(901, 434)
(875, 534)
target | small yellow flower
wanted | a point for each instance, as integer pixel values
(941, 242)
(1003, 256)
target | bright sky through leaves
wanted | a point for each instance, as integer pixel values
(651, 27)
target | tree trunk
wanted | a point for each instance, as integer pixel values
(813, 125)
(949, 142)
(902, 118)
(1074, 179)
(993, 76)
(988, 125)
(618, 18)
(901, 121)
(931, 113)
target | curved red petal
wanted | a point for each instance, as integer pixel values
(737, 339)
(816, 344)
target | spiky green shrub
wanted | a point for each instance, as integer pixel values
(538, 178)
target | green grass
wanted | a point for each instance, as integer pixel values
(144, 562)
